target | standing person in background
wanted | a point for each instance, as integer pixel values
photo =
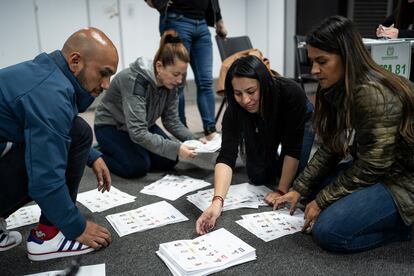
(191, 20)
(360, 182)
(44, 145)
(400, 23)
(125, 128)
(264, 111)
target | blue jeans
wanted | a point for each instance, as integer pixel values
(197, 39)
(360, 221)
(126, 158)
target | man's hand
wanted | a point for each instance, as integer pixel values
(95, 236)
(220, 29)
(102, 175)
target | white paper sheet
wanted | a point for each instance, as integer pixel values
(144, 218)
(242, 195)
(211, 146)
(172, 187)
(206, 254)
(96, 201)
(24, 216)
(272, 225)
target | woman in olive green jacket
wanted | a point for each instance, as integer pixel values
(360, 182)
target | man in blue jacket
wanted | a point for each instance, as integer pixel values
(44, 145)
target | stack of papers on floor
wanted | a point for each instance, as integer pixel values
(272, 225)
(211, 146)
(242, 195)
(24, 216)
(144, 218)
(172, 187)
(98, 202)
(206, 254)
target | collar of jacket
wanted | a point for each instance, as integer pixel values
(335, 94)
(83, 98)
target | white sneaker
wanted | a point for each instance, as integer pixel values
(59, 246)
(8, 239)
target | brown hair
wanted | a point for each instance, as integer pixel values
(338, 35)
(171, 47)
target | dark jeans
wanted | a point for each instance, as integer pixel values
(126, 158)
(269, 175)
(360, 221)
(13, 173)
(197, 39)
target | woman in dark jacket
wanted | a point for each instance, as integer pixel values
(360, 182)
(264, 112)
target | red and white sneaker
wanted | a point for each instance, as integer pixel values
(8, 239)
(57, 247)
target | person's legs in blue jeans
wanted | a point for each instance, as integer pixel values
(197, 40)
(362, 220)
(126, 158)
(201, 59)
(122, 156)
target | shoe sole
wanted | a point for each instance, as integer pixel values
(54, 255)
(10, 246)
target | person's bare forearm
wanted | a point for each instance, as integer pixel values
(222, 179)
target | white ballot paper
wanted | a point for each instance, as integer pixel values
(87, 270)
(96, 201)
(242, 195)
(211, 146)
(172, 187)
(206, 254)
(24, 216)
(272, 225)
(144, 218)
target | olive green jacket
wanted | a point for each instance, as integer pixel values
(379, 153)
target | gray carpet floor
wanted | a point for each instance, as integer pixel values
(135, 254)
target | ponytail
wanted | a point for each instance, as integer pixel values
(171, 47)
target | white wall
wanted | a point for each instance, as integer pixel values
(33, 26)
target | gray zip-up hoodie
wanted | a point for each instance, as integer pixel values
(133, 103)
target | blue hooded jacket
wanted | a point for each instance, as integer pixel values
(38, 101)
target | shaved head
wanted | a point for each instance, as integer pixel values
(92, 58)
(88, 42)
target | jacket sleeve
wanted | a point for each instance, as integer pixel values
(230, 138)
(47, 121)
(321, 164)
(406, 33)
(135, 111)
(376, 116)
(172, 122)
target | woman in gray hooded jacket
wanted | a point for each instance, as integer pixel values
(125, 127)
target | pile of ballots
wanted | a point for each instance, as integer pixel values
(242, 195)
(172, 187)
(206, 254)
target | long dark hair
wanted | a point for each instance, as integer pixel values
(337, 35)
(252, 67)
(404, 15)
